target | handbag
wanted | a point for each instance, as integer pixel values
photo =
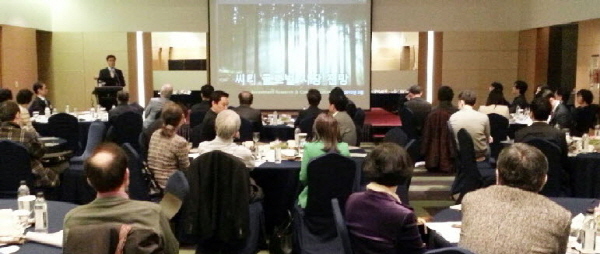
(281, 241)
(154, 189)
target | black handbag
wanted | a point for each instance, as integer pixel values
(281, 241)
(154, 189)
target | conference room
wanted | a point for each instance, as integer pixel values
(375, 50)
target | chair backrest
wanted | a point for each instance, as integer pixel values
(196, 118)
(557, 176)
(138, 188)
(15, 166)
(450, 250)
(468, 177)
(499, 132)
(340, 225)
(66, 126)
(408, 122)
(94, 138)
(176, 190)
(108, 238)
(331, 175)
(306, 126)
(246, 129)
(218, 202)
(127, 128)
(396, 135)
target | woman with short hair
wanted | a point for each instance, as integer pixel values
(168, 152)
(377, 220)
(326, 138)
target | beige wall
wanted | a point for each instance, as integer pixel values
(588, 44)
(76, 58)
(473, 60)
(19, 58)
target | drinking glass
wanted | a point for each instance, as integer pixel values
(255, 137)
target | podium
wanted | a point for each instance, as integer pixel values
(106, 96)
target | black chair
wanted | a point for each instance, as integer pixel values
(15, 166)
(403, 189)
(396, 135)
(499, 132)
(408, 122)
(138, 189)
(450, 250)
(196, 117)
(196, 135)
(468, 178)
(217, 210)
(66, 126)
(340, 225)
(306, 126)
(127, 128)
(557, 184)
(329, 176)
(94, 138)
(246, 129)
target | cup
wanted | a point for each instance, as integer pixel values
(26, 203)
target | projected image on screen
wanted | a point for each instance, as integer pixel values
(287, 47)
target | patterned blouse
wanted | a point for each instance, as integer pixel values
(167, 155)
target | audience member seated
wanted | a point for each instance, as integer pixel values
(584, 116)
(40, 102)
(247, 112)
(377, 220)
(106, 170)
(437, 142)
(137, 107)
(337, 107)
(477, 125)
(497, 86)
(228, 124)
(519, 89)
(10, 129)
(205, 104)
(325, 141)
(122, 107)
(5, 95)
(184, 130)
(350, 106)
(419, 107)
(539, 111)
(511, 217)
(314, 98)
(168, 152)
(24, 97)
(494, 105)
(156, 104)
(561, 114)
(219, 102)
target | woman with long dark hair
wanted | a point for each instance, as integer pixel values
(326, 138)
(495, 104)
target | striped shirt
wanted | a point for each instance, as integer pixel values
(13, 132)
(167, 155)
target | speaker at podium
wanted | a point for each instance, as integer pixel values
(106, 96)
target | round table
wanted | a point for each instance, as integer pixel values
(56, 214)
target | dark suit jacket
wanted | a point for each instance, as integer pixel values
(520, 101)
(202, 106)
(311, 111)
(118, 80)
(209, 131)
(120, 109)
(562, 117)
(248, 113)
(544, 131)
(584, 119)
(420, 108)
(39, 105)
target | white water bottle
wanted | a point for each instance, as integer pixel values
(278, 154)
(40, 208)
(22, 192)
(588, 232)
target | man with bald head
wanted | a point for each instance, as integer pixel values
(245, 111)
(156, 104)
(106, 170)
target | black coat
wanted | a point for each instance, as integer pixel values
(118, 80)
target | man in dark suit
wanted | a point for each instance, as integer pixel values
(123, 98)
(561, 114)
(111, 76)
(314, 98)
(219, 102)
(40, 102)
(519, 89)
(419, 107)
(540, 109)
(245, 111)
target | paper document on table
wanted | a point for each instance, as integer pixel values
(456, 207)
(54, 239)
(193, 155)
(258, 163)
(358, 155)
(448, 230)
